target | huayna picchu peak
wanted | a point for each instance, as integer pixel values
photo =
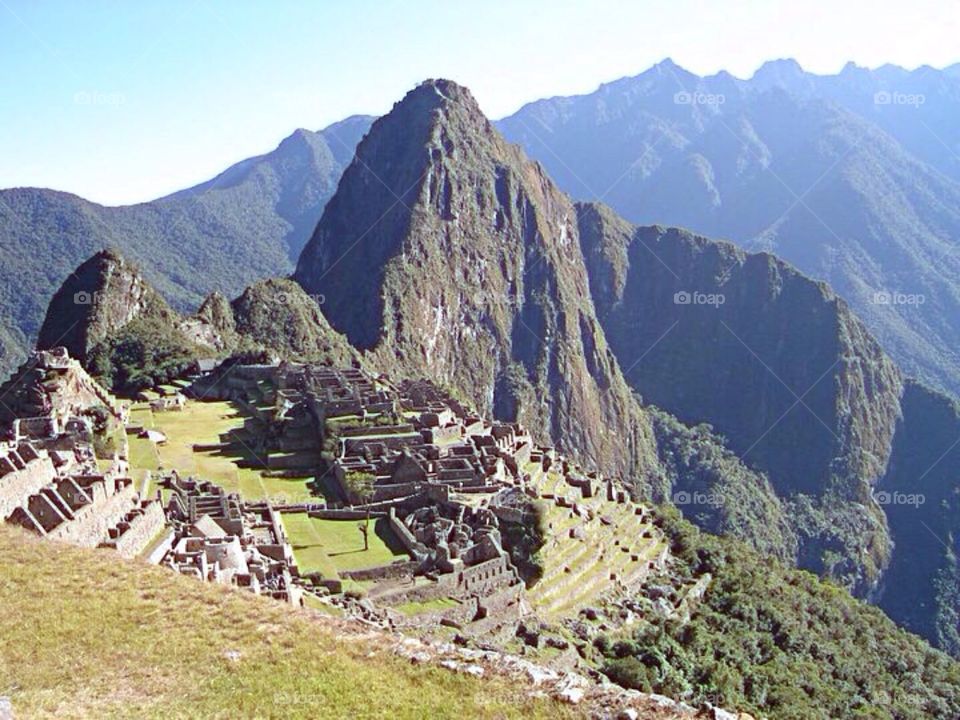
(445, 253)
(634, 404)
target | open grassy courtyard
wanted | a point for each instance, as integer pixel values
(329, 546)
(203, 423)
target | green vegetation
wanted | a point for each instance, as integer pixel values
(782, 643)
(524, 540)
(145, 353)
(359, 486)
(416, 608)
(329, 546)
(130, 640)
(714, 489)
(204, 423)
(278, 315)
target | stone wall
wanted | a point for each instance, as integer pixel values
(393, 571)
(487, 576)
(407, 539)
(138, 528)
(17, 486)
(92, 523)
(162, 548)
(343, 514)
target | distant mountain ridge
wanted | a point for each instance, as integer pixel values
(854, 178)
(247, 223)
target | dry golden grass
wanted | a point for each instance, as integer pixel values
(85, 634)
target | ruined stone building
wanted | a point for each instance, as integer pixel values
(50, 481)
(218, 538)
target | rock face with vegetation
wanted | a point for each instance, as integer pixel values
(921, 496)
(280, 317)
(112, 320)
(247, 223)
(771, 359)
(117, 325)
(446, 254)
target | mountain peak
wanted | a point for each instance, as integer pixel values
(99, 298)
(781, 68)
(446, 253)
(435, 93)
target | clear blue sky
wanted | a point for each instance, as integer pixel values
(125, 101)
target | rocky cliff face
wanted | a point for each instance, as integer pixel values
(96, 301)
(774, 361)
(921, 497)
(447, 254)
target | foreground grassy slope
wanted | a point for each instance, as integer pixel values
(84, 634)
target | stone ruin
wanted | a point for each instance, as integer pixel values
(216, 537)
(50, 480)
(443, 478)
(52, 385)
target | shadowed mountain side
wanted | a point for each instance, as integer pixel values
(771, 359)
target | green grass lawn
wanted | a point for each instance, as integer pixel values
(204, 423)
(329, 546)
(85, 634)
(416, 608)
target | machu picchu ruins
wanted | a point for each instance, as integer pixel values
(441, 492)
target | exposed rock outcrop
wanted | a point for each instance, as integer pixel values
(771, 359)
